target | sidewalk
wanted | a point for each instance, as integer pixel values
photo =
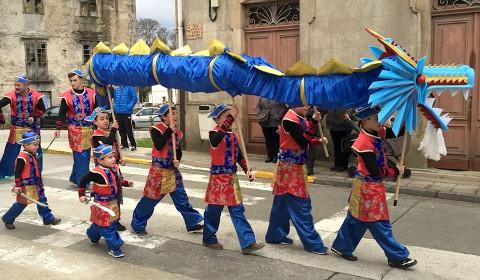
(453, 185)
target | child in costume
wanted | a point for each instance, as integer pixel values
(367, 203)
(291, 199)
(164, 177)
(28, 182)
(100, 118)
(223, 187)
(106, 183)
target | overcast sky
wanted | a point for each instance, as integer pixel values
(161, 10)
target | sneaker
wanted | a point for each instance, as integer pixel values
(351, 258)
(319, 252)
(54, 221)
(140, 232)
(9, 226)
(284, 241)
(254, 247)
(93, 243)
(116, 253)
(196, 229)
(214, 246)
(133, 148)
(120, 227)
(405, 263)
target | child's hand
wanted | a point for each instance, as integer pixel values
(56, 134)
(233, 110)
(251, 175)
(115, 124)
(122, 162)
(82, 199)
(401, 169)
(130, 184)
(17, 190)
(176, 163)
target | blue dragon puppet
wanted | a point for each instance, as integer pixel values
(393, 80)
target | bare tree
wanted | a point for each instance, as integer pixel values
(148, 29)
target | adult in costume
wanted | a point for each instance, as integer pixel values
(26, 107)
(77, 103)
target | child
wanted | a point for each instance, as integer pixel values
(223, 187)
(100, 118)
(291, 199)
(106, 183)
(28, 181)
(367, 203)
(164, 176)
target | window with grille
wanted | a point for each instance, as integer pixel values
(454, 4)
(32, 6)
(87, 50)
(36, 60)
(88, 8)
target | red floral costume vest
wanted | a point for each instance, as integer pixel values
(30, 181)
(22, 107)
(106, 195)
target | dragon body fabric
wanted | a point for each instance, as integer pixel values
(393, 80)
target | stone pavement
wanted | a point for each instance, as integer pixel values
(446, 184)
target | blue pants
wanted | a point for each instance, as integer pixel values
(212, 214)
(17, 209)
(299, 210)
(144, 210)
(81, 165)
(110, 233)
(352, 231)
(7, 164)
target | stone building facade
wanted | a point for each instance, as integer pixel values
(47, 38)
(316, 30)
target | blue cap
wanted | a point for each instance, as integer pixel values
(22, 78)
(95, 112)
(102, 151)
(365, 112)
(29, 137)
(217, 110)
(164, 109)
(77, 72)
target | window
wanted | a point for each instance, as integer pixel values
(88, 8)
(32, 7)
(87, 50)
(36, 60)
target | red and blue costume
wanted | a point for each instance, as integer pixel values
(291, 199)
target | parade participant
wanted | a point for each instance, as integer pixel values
(367, 203)
(101, 135)
(77, 103)
(164, 176)
(26, 107)
(223, 186)
(28, 183)
(291, 199)
(106, 183)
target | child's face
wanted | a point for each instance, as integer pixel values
(108, 161)
(371, 123)
(166, 118)
(32, 147)
(102, 121)
(221, 118)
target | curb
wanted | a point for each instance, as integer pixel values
(390, 187)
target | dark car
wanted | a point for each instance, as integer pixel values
(50, 118)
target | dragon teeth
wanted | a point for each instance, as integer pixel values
(454, 92)
(430, 101)
(465, 93)
(446, 119)
(439, 92)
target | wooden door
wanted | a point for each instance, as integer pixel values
(279, 46)
(455, 40)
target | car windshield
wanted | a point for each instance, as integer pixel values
(135, 110)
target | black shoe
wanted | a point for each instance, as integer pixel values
(274, 160)
(120, 227)
(333, 168)
(268, 159)
(284, 241)
(140, 232)
(9, 226)
(407, 173)
(54, 221)
(133, 148)
(405, 263)
(309, 172)
(197, 228)
(351, 258)
(351, 171)
(340, 169)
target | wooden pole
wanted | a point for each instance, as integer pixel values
(240, 140)
(325, 150)
(402, 159)
(174, 139)
(117, 136)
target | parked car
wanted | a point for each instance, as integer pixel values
(145, 117)
(49, 119)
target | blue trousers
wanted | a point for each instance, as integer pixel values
(299, 210)
(81, 165)
(17, 208)
(352, 231)
(212, 215)
(145, 207)
(110, 234)
(7, 164)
